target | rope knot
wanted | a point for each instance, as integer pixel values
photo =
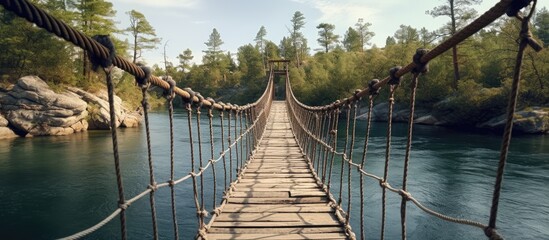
(394, 80)
(202, 213)
(203, 234)
(406, 195)
(212, 102)
(492, 234)
(383, 183)
(153, 187)
(218, 211)
(420, 66)
(123, 205)
(144, 81)
(191, 93)
(107, 62)
(171, 183)
(200, 100)
(373, 90)
(193, 174)
(170, 93)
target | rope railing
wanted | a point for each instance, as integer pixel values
(316, 130)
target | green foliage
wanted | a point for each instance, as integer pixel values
(472, 104)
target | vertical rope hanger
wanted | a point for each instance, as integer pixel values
(107, 65)
(525, 41)
(393, 85)
(188, 107)
(421, 68)
(170, 96)
(152, 183)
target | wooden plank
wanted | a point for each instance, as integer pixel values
(278, 180)
(307, 193)
(260, 194)
(274, 236)
(276, 175)
(276, 185)
(278, 208)
(276, 224)
(288, 230)
(276, 217)
(279, 200)
(280, 189)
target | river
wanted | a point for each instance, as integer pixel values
(51, 187)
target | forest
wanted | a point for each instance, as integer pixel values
(476, 74)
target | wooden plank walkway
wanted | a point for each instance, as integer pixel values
(277, 197)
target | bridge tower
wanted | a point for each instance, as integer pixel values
(279, 68)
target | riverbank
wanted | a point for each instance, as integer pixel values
(31, 108)
(528, 120)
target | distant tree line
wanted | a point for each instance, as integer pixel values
(480, 69)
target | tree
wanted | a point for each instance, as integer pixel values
(406, 35)
(185, 59)
(214, 47)
(541, 23)
(251, 68)
(327, 37)
(28, 50)
(351, 41)
(94, 18)
(260, 43)
(389, 41)
(144, 36)
(271, 50)
(299, 43)
(459, 14)
(363, 32)
(426, 37)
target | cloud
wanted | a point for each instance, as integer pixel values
(343, 12)
(164, 3)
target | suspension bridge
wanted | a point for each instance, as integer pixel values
(282, 153)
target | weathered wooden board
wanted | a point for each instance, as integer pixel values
(288, 230)
(278, 208)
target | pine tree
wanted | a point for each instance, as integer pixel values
(365, 34)
(143, 34)
(185, 59)
(214, 47)
(459, 13)
(351, 40)
(327, 37)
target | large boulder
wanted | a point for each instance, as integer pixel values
(31, 107)
(529, 120)
(5, 131)
(99, 110)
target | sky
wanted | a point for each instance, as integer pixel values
(183, 24)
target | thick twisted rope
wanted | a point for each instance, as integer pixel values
(152, 182)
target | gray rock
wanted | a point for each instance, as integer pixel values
(6, 132)
(530, 120)
(99, 110)
(3, 121)
(32, 107)
(426, 120)
(132, 120)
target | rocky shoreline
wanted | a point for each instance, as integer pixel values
(530, 120)
(31, 108)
